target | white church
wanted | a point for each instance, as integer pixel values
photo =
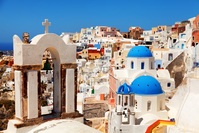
(140, 61)
(138, 106)
(140, 98)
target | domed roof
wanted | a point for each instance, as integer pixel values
(124, 89)
(139, 51)
(146, 85)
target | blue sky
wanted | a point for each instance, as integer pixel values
(18, 16)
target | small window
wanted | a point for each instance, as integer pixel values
(122, 61)
(170, 57)
(148, 105)
(132, 65)
(142, 65)
(132, 100)
(120, 53)
(193, 44)
(136, 104)
(168, 84)
(119, 100)
(151, 65)
(126, 101)
(159, 66)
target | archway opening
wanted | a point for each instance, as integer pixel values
(46, 84)
(50, 90)
(125, 116)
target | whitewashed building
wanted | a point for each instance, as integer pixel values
(139, 61)
(137, 106)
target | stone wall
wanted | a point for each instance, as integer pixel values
(177, 69)
(7, 111)
(92, 110)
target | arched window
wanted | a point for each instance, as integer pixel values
(132, 100)
(182, 47)
(142, 65)
(132, 65)
(120, 53)
(119, 100)
(126, 101)
(169, 84)
(193, 44)
(148, 105)
(125, 116)
(170, 57)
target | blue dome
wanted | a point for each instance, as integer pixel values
(139, 51)
(124, 89)
(146, 85)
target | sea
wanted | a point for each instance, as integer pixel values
(6, 46)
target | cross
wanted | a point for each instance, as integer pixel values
(46, 24)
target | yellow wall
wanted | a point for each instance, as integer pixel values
(94, 55)
(76, 36)
(84, 53)
(154, 29)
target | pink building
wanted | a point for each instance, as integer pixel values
(104, 31)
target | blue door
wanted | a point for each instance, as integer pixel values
(182, 46)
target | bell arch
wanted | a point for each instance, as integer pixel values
(27, 66)
(56, 80)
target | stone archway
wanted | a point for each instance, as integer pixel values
(27, 66)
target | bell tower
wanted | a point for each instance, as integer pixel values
(27, 66)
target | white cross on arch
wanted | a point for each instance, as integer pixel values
(46, 24)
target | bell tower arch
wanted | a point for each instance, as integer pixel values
(27, 66)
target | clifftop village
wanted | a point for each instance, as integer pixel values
(102, 80)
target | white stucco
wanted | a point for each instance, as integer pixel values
(70, 93)
(32, 94)
(135, 67)
(167, 83)
(63, 126)
(32, 55)
(25, 54)
(184, 106)
(18, 94)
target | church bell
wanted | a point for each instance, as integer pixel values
(47, 66)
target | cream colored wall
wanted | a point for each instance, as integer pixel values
(84, 53)
(154, 29)
(157, 54)
(76, 37)
(25, 54)
(137, 64)
(155, 105)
